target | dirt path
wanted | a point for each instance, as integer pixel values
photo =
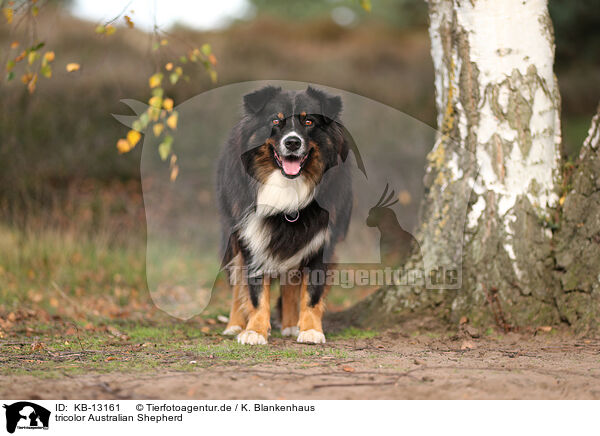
(390, 366)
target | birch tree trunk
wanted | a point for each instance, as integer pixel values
(499, 135)
(578, 240)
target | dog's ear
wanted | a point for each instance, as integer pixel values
(256, 100)
(331, 106)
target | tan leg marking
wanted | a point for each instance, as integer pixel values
(259, 321)
(290, 301)
(238, 315)
(311, 327)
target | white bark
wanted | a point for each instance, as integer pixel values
(497, 95)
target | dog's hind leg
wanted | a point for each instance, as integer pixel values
(259, 320)
(290, 306)
(238, 315)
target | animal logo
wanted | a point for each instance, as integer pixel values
(396, 244)
(27, 415)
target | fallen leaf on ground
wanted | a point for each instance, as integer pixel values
(545, 328)
(348, 369)
(467, 345)
(37, 346)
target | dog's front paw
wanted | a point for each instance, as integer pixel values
(311, 336)
(232, 330)
(250, 337)
(290, 331)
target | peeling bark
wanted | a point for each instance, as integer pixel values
(499, 138)
(578, 240)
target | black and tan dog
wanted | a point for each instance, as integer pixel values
(285, 198)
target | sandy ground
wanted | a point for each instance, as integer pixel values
(390, 366)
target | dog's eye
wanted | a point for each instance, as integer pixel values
(308, 122)
(276, 122)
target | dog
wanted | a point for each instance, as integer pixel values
(285, 200)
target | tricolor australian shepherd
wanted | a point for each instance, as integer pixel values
(285, 200)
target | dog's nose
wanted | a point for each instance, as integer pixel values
(292, 143)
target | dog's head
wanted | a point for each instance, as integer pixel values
(294, 132)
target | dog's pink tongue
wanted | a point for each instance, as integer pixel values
(291, 167)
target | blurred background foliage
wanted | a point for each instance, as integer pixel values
(64, 132)
(59, 167)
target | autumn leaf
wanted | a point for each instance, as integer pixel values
(46, 71)
(172, 121)
(174, 173)
(348, 369)
(14, 44)
(155, 102)
(129, 21)
(158, 129)
(164, 149)
(133, 137)
(123, 145)
(168, 104)
(8, 14)
(110, 29)
(49, 56)
(169, 66)
(73, 67)
(366, 5)
(212, 59)
(37, 346)
(32, 57)
(155, 80)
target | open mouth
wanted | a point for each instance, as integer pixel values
(290, 165)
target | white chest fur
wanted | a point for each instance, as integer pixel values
(280, 194)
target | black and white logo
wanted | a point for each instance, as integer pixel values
(26, 415)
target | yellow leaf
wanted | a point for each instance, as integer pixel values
(26, 78)
(169, 66)
(133, 137)
(174, 172)
(49, 56)
(172, 121)
(123, 145)
(8, 14)
(155, 80)
(14, 44)
(164, 42)
(168, 104)
(32, 57)
(155, 102)
(179, 71)
(561, 201)
(158, 128)
(73, 67)
(129, 22)
(110, 29)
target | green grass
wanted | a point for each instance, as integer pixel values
(353, 333)
(176, 347)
